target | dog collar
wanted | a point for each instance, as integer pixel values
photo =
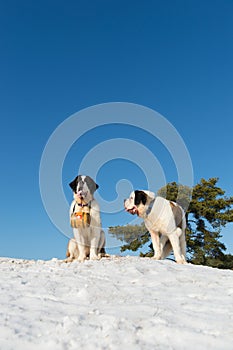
(82, 205)
(150, 207)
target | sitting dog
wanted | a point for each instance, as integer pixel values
(89, 238)
(164, 219)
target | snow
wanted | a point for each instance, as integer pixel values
(116, 303)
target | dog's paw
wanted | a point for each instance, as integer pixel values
(184, 262)
(81, 259)
(94, 257)
(68, 260)
(156, 257)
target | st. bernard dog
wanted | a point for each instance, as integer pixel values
(89, 238)
(164, 219)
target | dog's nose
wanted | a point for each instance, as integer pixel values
(124, 201)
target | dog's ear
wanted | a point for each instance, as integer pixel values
(73, 184)
(140, 197)
(91, 184)
(150, 194)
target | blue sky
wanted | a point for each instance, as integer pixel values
(59, 57)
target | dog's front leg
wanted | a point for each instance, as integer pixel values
(93, 250)
(156, 244)
(82, 252)
(94, 245)
(80, 240)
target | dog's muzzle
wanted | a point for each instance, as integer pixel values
(133, 210)
(81, 194)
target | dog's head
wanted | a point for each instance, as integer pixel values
(83, 187)
(138, 202)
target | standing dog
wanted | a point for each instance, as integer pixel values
(89, 239)
(165, 220)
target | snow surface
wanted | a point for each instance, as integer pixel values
(116, 303)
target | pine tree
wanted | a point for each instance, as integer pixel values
(209, 211)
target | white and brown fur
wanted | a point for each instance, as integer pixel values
(89, 241)
(164, 219)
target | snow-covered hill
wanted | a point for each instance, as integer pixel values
(117, 303)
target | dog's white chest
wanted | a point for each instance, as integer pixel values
(160, 217)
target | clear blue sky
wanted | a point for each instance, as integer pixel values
(58, 57)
